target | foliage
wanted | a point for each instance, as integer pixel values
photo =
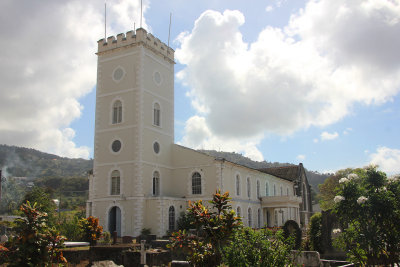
(91, 229)
(36, 244)
(368, 209)
(329, 187)
(69, 226)
(262, 247)
(315, 232)
(44, 203)
(107, 237)
(216, 229)
(291, 229)
(11, 194)
(185, 221)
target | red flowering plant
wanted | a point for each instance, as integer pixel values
(215, 228)
(91, 229)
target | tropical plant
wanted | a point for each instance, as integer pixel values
(216, 227)
(368, 208)
(36, 244)
(91, 229)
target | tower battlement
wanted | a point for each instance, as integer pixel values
(141, 37)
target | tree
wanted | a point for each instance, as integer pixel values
(216, 229)
(36, 244)
(44, 203)
(368, 208)
(328, 188)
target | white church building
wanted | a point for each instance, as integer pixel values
(141, 179)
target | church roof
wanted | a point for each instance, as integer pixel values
(290, 173)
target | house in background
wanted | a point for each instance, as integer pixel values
(141, 179)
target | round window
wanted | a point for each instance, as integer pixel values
(116, 146)
(157, 77)
(156, 147)
(118, 74)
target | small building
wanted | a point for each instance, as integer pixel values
(141, 179)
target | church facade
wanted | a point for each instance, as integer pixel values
(141, 179)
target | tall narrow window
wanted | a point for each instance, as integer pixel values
(237, 185)
(115, 183)
(274, 190)
(287, 191)
(266, 189)
(258, 189)
(276, 217)
(156, 184)
(196, 183)
(156, 115)
(249, 215)
(281, 191)
(171, 218)
(238, 212)
(259, 218)
(248, 187)
(117, 112)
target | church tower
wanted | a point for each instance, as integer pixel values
(134, 132)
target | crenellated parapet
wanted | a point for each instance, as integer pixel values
(131, 38)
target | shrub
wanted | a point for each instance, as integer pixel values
(217, 227)
(315, 232)
(368, 209)
(262, 247)
(91, 229)
(36, 244)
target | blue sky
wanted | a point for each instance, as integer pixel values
(289, 81)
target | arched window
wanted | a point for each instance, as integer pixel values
(249, 215)
(171, 218)
(156, 184)
(237, 185)
(258, 189)
(238, 211)
(156, 114)
(196, 183)
(274, 190)
(259, 218)
(266, 189)
(248, 187)
(117, 112)
(281, 191)
(115, 183)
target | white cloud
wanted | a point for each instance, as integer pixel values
(347, 131)
(49, 64)
(301, 157)
(309, 74)
(388, 159)
(199, 136)
(315, 140)
(269, 9)
(329, 136)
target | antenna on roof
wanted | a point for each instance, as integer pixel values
(105, 20)
(169, 30)
(141, 12)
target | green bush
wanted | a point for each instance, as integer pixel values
(262, 247)
(315, 232)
